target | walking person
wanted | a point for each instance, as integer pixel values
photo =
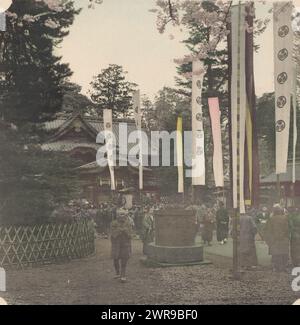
(121, 233)
(222, 223)
(277, 238)
(248, 230)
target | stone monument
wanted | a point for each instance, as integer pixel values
(175, 238)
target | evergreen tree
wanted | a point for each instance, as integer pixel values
(32, 182)
(112, 91)
(32, 75)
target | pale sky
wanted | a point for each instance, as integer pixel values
(124, 32)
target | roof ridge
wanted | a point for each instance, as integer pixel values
(89, 119)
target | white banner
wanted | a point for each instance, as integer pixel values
(138, 122)
(109, 142)
(283, 75)
(215, 117)
(238, 104)
(198, 165)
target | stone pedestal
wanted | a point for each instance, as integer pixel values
(175, 234)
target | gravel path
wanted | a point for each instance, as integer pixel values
(90, 281)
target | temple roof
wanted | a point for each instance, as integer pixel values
(62, 125)
(65, 146)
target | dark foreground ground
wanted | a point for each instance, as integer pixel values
(90, 281)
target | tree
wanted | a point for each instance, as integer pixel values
(161, 115)
(32, 182)
(32, 76)
(75, 101)
(167, 106)
(112, 91)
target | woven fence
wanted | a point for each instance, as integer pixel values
(49, 243)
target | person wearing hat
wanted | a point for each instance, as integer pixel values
(277, 236)
(121, 233)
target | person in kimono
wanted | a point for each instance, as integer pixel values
(247, 248)
(208, 224)
(147, 233)
(121, 234)
(277, 236)
(222, 223)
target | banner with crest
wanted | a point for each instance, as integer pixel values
(198, 152)
(283, 73)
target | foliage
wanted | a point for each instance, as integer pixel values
(32, 182)
(32, 76)
(112, 91)
(75, 101)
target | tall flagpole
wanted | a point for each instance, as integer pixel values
(238, 122)
(295, 131)
(138, 123)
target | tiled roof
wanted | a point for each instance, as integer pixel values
(54, 125)
(67, 146)
(95, 126)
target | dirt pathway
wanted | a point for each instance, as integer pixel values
(90, 281)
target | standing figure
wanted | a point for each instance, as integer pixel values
(277, 238)
(248, 230)
(222, 222)
(121, 233)
(107, 217)
(208, 222)
(147, 234)
(138, 220)
(295, 237)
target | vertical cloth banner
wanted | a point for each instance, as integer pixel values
(138, 123)
(295, 131)
(283, 73)
(4, 6)
(198, 153)
(109, 142)
(2, 22)
(252, 173)
(238, 104)
(215, 117)
(179, 151)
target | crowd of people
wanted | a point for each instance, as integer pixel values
(210, 218)
(278, 227)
